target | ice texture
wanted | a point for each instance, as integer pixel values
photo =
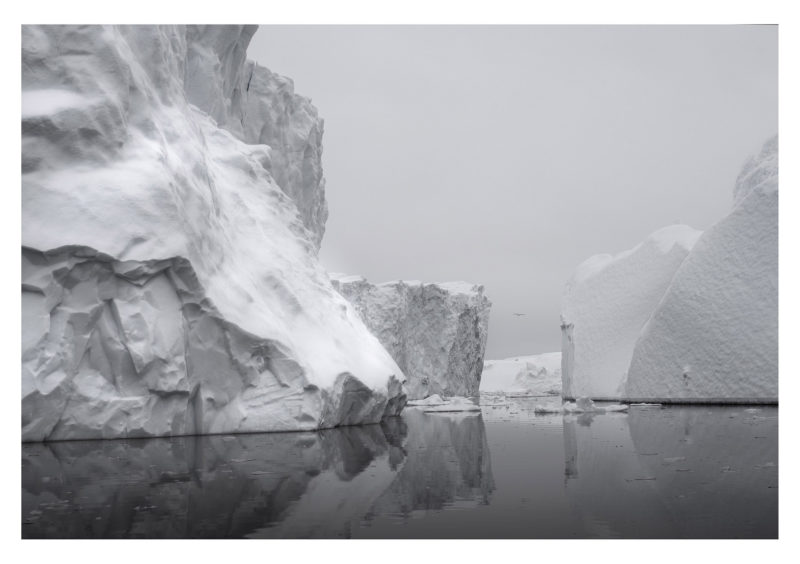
(438, 404)
(170, 280)
(714, 335)
(538, 374)
(605, 305)
(436, 332)
(581, 405)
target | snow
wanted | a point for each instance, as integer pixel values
(529, 375)
(434, 399)
(436, 332)
(714, 336)
(437, 404)
(581, 405)
(605, 305)
(170, 280)
(50, 101)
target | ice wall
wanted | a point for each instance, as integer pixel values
(714, 335)
(163, 241)
(436, 332)
(605, 305)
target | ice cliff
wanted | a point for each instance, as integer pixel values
(685, 316)
(605, 305)
(714, 335)
(172, 207)
(436, 332)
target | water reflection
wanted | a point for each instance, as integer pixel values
(447, 466)
(294, 485)
(678, 472)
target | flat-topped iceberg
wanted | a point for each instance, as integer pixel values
(436, 332)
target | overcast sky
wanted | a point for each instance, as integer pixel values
(508, 155)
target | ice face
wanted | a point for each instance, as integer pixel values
(143, 155)
(714, 336)
(605, 305)
(436, 332)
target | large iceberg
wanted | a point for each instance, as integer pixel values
(714, 335)
(605, 305)
(172, 207)
(436, 332)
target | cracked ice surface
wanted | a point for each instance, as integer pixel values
(170, 279)
(436, 332)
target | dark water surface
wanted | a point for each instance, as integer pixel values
(672, 472)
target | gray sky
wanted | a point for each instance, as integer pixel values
(508, 155)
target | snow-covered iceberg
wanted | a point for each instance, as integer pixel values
(170, 281)
(605, 305)
(714, 335)
(533, 375)
(436, 332)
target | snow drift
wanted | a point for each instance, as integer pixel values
(605, 305)
(714, 336)
(172, 207)
(436, 332)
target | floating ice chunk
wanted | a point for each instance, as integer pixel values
(582, 405)
(434, 399)
(535, 375)
(435, 403)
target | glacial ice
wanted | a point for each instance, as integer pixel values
(714, 335)
(436, 332)
(523, 375)
(170, 281)
(438, 404)
(581, 405)
(605, 305)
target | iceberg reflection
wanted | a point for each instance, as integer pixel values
(290, 485)
(677, 472)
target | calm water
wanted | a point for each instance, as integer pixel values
(677, 472)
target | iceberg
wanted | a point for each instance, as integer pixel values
(523, 375)
(581, 405)
(436, 332)
(714, 335)
(605, 305)
(437, 404)
(172, 209)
